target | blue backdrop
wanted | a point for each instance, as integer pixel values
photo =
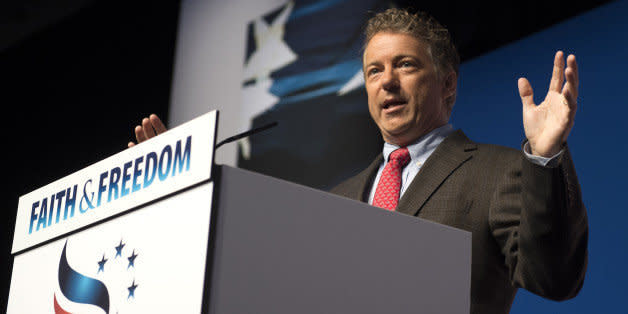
(488, 109)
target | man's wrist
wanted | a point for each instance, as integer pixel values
(550, 162)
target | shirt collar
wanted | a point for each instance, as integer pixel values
(423, 146)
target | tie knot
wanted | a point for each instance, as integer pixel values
(400, 157)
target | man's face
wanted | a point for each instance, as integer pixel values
(405, 93)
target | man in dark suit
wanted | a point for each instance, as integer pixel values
(524, 209)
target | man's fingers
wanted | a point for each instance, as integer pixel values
(157, 124)
(526, 93)
(570, 97)
(572, 65)
(139, 134)
(570, 90)
(556, 83)
(571, 74)
(148, 128)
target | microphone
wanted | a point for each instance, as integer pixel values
(245, 134)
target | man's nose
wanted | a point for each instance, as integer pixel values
(390, 81)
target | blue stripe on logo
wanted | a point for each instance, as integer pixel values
(79, 288)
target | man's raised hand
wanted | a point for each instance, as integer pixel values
(547, 125)
(150, 127)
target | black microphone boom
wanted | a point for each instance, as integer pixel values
(247, 133)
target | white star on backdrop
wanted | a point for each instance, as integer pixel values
(272, 54)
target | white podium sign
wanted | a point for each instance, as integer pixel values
(80, 249)
(174, 160)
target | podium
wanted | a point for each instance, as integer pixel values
(159, 229)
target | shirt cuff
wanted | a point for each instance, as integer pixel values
(551, 162)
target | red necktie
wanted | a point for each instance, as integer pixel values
(389, 186)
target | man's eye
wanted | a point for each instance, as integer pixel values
(373, 71)
(406, 64)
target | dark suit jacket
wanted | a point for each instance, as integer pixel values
(529, 226)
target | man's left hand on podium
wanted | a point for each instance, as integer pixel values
(150, 127)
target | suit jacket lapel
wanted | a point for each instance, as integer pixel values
(448, 156)
(366, 177)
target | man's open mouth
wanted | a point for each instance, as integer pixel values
(392, 103)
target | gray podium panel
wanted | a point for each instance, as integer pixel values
(285, 248)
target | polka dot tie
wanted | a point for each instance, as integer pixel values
(389, 186)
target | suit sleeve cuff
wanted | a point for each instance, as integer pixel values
(551, 162)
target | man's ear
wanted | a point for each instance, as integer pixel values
(450, 85)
